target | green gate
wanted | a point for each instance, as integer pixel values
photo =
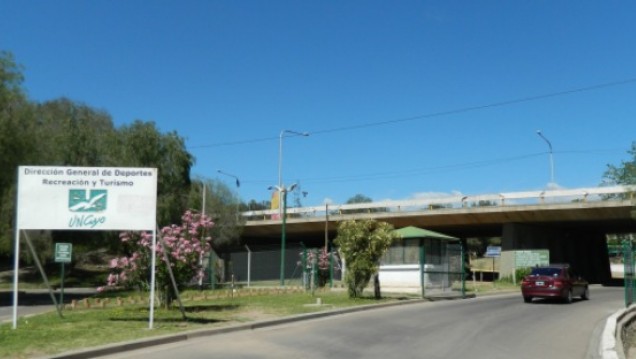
(628, 260)
(443, 273)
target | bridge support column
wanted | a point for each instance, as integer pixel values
(585, 249)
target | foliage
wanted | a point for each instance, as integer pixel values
(362, 244)
(142, 145)
(477, 246)
(252, 205)
(63, 132)
(625, 173)
(17, 142)
(74, 134)
(520, 273)
(184, 246)
(298, 194)
(322, 260)
(222, 205)
(360, 198)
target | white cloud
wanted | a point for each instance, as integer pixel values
(427, 195)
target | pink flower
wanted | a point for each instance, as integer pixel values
(112, 279)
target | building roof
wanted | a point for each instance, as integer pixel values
(415, 232)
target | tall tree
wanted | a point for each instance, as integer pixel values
(17, 141)
(625, 173)
(66, 133)
(359, 198)
(142, 145)
(74, 134)
(222, 205)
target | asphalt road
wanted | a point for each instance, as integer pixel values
(36, 301)
(482, 328)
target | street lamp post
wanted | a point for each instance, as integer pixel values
(280, 158)
(283, 194)
(238, 186)
(551, 156)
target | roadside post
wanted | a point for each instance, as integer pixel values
(493, 252)
(63, 255)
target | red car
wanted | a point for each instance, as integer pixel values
(554, 281)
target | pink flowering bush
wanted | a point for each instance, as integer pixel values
(185, 245)
(322, 260)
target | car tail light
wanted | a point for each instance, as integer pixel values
(558, 283)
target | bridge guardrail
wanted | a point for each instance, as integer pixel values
(456, 201)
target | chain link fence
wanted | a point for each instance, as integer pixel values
(441, 267)
(443, 271)
(262, 266)
(628, 260)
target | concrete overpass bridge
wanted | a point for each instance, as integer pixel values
(571, 223)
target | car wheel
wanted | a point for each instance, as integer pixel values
(527, 299)
(586, 294)
(568, 298)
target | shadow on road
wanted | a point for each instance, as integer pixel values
(42, 297)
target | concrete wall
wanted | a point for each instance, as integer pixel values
(585, 250)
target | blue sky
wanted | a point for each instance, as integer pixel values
(402, 99)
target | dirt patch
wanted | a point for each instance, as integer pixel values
(629, 341)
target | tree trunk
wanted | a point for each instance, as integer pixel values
(376, 286)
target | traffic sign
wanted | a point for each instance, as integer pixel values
(493, 251)
(63, 252)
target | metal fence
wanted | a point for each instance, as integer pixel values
(443, 272)
(262, 266)
(442, 269)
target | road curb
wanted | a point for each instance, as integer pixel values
(611, 345)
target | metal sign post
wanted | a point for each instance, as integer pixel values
(493, 252)
(63, 255)
(82, 198)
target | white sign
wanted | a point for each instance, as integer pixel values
(86, 198)
(63, 252)
(493, 251)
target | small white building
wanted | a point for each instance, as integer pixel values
(422, 260)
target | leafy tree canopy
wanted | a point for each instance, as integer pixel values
(359, 198)
(625, 173)
(362, 244)
(222, 205)
(63, 132)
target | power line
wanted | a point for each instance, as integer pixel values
(414, 172)
(437, 169)
(435, 114)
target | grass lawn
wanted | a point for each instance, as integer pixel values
(126, 318)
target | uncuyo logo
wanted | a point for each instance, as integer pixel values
(85, 204)
(84, 200)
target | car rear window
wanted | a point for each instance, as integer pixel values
(553, 272)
